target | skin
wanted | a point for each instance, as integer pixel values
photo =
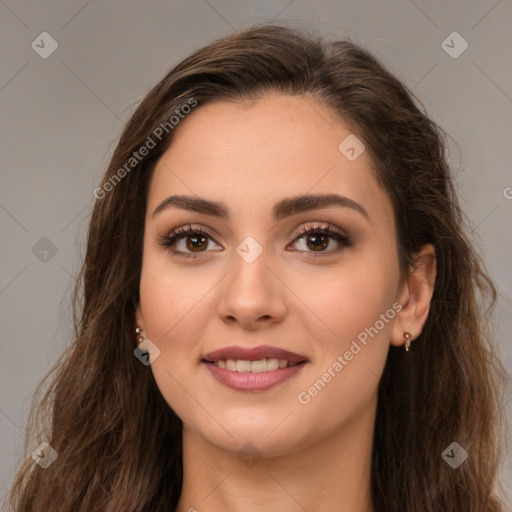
(314, 456)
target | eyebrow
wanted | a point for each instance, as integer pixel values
(283, 208)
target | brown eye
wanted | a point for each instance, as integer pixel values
(196, 243)
(187, 241)
(318, 238)
(317, 241)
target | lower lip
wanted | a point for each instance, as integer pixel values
(245, 381)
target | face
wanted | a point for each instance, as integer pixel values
(252, 278)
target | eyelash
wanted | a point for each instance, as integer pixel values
(168, 240)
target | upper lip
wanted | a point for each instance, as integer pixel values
(253, 354)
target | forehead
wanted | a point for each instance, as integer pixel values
(250, 155)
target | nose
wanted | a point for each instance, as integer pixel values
(252, 295)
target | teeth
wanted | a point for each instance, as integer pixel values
(273, 364)
(244, 366)
(257, 366)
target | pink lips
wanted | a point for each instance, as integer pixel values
(246, 381)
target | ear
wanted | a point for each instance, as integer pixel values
(415, 296)
(139, 320)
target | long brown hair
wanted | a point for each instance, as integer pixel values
(119, 442)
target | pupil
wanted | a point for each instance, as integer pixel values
(320, 241)
(193, 245)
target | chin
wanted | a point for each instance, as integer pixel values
(264, 439)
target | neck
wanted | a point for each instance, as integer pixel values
(331, 474)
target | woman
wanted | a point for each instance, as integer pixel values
(279, 302)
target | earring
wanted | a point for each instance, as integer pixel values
(138, 331)
(407, 341)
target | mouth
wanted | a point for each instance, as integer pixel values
(255, 360)
(255, 369)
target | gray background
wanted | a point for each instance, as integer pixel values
(61, 116)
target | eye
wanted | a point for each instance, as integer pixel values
(318, 238)
(195, 240)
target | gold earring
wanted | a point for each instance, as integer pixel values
(407, 341)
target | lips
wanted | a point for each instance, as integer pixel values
(253, 354)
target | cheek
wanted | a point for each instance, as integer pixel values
(346, 377)
(357, 307)
(175, 318)
(171, 296)
(351, 297)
